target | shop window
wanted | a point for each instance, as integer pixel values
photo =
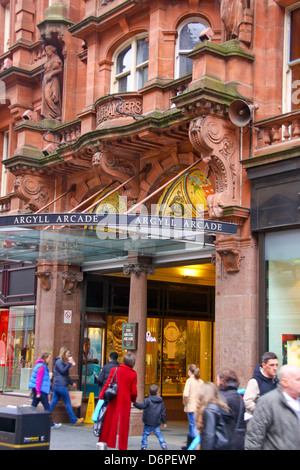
(3, 343)
(131, 66)
(188, 38)
(18, 282)
(19, 349)
(291, 77)
(171, 346)
(282, 257)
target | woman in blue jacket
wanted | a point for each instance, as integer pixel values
(61, 380)
(40, 384)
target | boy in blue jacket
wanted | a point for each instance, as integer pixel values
(154, 413)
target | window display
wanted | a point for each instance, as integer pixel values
(19, 348)
(171, 345)
(282, 253)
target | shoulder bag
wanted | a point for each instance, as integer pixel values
(112, 388)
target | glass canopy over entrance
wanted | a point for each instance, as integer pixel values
(78, 246)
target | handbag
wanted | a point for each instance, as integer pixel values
(98, 424)
(112, 388)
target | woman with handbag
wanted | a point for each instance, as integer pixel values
(61, 380)
(227, 383)
(213, 418)
(117, 414)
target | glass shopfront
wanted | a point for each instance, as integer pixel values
(179, 331)
(282, 257)
(171, 346)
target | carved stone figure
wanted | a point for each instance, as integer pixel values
(232, 17)
(51, 89)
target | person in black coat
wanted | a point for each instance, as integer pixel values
(213, 419)
(105, 371)
(228, 383)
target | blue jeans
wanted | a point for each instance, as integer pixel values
(43, 399)
(147, 430)
(63, 392)
(193, 431)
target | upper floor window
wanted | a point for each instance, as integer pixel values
(292, 54)
(131, 66)
(188, 38)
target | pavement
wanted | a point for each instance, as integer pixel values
(69, 437)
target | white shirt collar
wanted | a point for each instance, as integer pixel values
(294, 403)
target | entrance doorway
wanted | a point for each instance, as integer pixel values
(180, 324)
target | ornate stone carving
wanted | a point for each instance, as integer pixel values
(51, 87)
(217, 143)
(237, 20)
(116, 107)
(138, 268)
(34, 190)
(70, 281)
(45, 279)
(228, 247)
(119, 168)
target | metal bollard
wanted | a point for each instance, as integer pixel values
(101, 446)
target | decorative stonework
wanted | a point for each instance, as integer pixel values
(217, 143)
(237, 20)
(118, 168)
(34, 190)
(115, 107)
(229, 249)
(45, 279)
(138, 268)
(70, 281)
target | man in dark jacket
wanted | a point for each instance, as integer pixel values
(105, 371)
(264, 380)
(154, 413)
(275, 424)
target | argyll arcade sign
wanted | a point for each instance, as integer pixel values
(122, 222)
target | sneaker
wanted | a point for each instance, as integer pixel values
(164, 447)
(56, 426)
(143, 448)
(79, 421)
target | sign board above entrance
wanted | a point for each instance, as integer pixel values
(117, 222)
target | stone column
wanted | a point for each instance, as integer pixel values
(138, 270)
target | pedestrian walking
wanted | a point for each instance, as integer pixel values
(40, 384)
(105, 371)
(276, 417)
(213, 418)
(117, 414)
(190, 400)
(228, 384)
(61, 380)
(264, 380)
(154, 413)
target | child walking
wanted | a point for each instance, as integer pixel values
(154, 413)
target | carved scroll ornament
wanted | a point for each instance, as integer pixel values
(218, 147)
(34, 190)
(118, 168)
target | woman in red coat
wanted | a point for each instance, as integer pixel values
(117, 415)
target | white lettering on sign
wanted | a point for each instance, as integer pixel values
(150, 338)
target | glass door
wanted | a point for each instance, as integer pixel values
(93, 347)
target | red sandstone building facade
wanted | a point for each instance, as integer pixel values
(117, 105)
